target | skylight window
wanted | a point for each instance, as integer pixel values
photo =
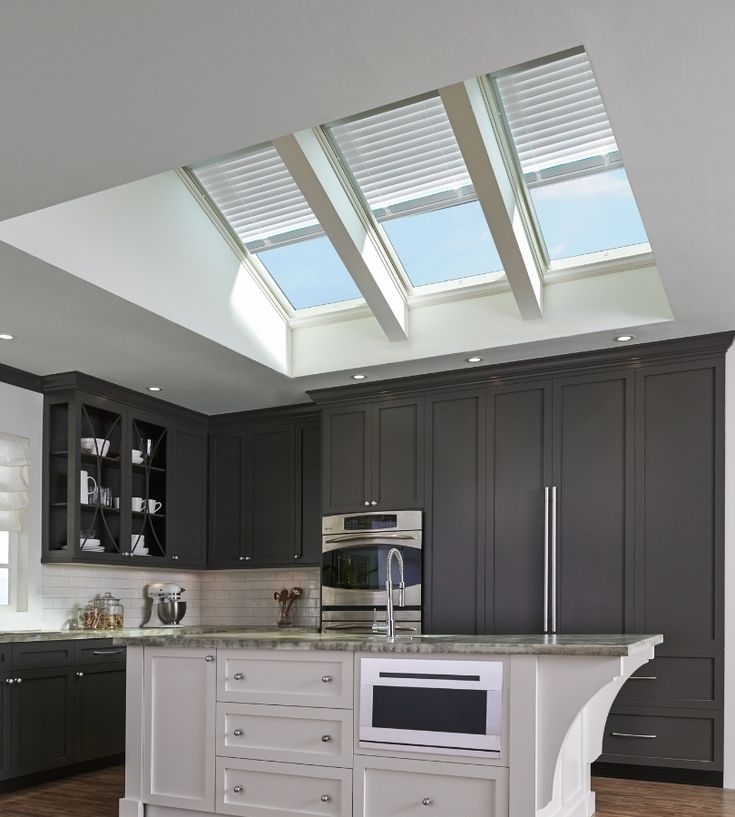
(407, 164)
(569, 158)
(267, 213)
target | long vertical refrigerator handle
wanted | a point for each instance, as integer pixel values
(546, 559)
(553, 559)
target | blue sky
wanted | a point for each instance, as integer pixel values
(589, 214)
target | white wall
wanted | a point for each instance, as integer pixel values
(729, 776)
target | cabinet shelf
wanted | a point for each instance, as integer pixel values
(141, 467)
(141, 514)
(88, 457)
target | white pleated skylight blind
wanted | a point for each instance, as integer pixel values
(404, 158)
(258, 198)
(555, 114)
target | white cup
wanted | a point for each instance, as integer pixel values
(137, 503)
(116, 503)
(88, 485)
(154, 506)
(137, 456)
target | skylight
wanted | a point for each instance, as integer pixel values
(267, 213)
(406, 163)
(569, 158)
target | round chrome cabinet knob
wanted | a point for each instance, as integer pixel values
(373, 502)
(325, 798)
(238, 676)
(10, 681)
(427, 801)
(366, 503)
(174, 557)
(242, 558)
(18, 680)
(209, 658)
(237, 789)
(326, 738)
(237, 733)
(79, 674)
(326, 679)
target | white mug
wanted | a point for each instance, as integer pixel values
(137, 503)
(116, 503)
(84, 487)
(154, 506)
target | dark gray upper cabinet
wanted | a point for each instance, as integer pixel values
(264, 489)
(373, 456)
(187, 511)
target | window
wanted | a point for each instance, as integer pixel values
(4, 567)
(406, 163)
(269, 216)
(568, 157)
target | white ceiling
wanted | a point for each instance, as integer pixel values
(100, 94)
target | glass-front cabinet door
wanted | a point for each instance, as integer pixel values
(148, 455)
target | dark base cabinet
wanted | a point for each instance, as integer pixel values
(54, 717)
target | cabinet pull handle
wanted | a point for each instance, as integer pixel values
(107, 652)
(427, 801)
(237, 789)
(326, 738)
(79, 674)
(209, 658)
(631, 735)
(238, 676)
(643, 678)
(546, 558)
(326, 679)
(237, 733)
(325, 798)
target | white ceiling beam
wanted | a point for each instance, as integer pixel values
(470, 119)
(348, 230)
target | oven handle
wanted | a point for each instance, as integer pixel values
(371, 537)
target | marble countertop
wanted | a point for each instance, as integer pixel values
(593, 645)
(163, 633)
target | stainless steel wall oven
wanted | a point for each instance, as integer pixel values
(354, 554)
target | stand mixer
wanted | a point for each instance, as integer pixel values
(166, 604)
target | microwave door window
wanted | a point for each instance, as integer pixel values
(363, 567)
(430, 709)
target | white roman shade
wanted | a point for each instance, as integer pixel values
(556, 116)
(15, 463)
(258, 198)
(404, 159)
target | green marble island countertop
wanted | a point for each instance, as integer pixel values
(28, 636)
(260, 638)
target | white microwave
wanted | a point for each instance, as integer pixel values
(431, 706)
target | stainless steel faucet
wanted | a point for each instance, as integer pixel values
(391, 623)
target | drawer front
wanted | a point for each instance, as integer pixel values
(310, 678)
(96, 651)
(290, 734)
(670, 680)
(386, 787)
(40, 654)
(254, 788)
(688, 740)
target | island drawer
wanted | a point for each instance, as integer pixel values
(691, 738)
(254, 788)
(311, 678)
(291, 734)
(675, 680)
(390, 787)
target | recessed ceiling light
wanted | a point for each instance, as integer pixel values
(623, 338)
(153, 388)
(6, 336)
(359, 377)
(474, 359)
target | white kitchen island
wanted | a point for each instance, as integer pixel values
(267, 725)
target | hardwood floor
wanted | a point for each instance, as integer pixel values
(95, 794)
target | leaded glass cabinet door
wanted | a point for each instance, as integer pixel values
(148, 455)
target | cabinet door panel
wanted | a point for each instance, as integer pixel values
(99, 713)
(346, 459)
(398, 455)
(593, 437)
(5, 745)
(519, 449)
(679, 522)
(311, 494)
(225, 499)
(187, 493)
(42, 720)
(454, 524)
(272, 517)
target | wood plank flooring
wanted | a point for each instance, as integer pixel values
(95, 794)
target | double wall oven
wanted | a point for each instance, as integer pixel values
(354, 555)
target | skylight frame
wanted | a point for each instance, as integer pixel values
(483, 283)
(250, 260)
(600, 262)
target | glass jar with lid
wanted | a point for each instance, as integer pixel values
(90, 616)
(113, 613)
